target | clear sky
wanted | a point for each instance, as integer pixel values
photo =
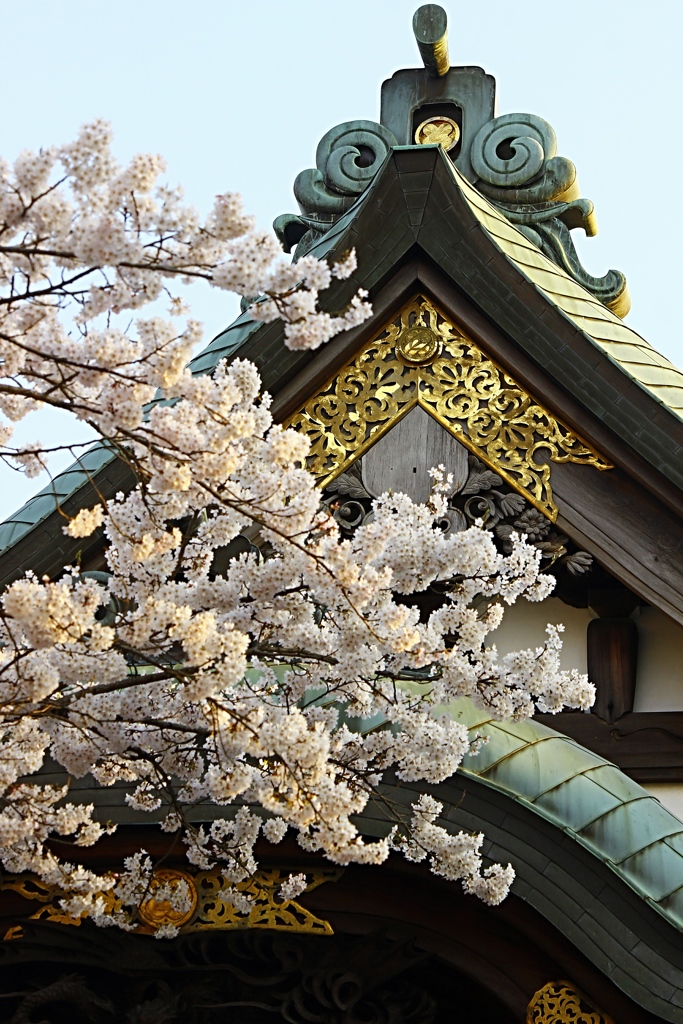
(237, 95)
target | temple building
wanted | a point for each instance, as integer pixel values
(492, 350)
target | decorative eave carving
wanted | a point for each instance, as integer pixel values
(206, 910)
(558, 1002)
(420, 357)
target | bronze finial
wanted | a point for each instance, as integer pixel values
(430, 25)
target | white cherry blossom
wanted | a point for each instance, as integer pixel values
(194, 678)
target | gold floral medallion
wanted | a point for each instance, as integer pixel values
(157, 913)
(418, 345)
(438, 131)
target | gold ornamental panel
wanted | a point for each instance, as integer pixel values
(207, 911)
(422, 358)
(558, 1002)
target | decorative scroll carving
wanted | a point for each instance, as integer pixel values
(481, 495)
(515, 156)
(347, 159)
(558, 1002)
(253, 977)
(207, 910)
(465, 391)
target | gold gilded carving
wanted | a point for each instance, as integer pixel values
(558, 1002)
(454, 381)
(417, 345)
(268, 910)
(207, 911)
(441, 131)
(158, 912)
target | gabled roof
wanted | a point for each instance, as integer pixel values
(421, 220)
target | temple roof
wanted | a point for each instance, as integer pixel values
(624, 346)
(590, 846)
(422, 223)
(495, 249)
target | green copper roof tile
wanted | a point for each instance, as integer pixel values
(224, 344)
(491, 753)
(593, 802)
(628, 829)
(611, 778)
(578, 801)
(672, 906)
(656, 871)
(535, 768)
(631, 352)
(43, 504)
(676, 842)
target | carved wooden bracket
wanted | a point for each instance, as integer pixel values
(612, 652)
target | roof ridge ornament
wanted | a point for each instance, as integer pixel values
(515, 158)
(511, 159)
(346, 161)
(430, 25)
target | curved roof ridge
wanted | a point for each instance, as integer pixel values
(590, 799)
(624, 346)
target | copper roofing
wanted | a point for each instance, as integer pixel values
(635, 356)
(588, 798)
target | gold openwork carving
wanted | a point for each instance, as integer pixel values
(558, 1002)
(422, 358)
(207, 911)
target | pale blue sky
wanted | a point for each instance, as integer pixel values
(237, 95)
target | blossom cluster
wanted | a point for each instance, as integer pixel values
(278, 684)
(85, 244)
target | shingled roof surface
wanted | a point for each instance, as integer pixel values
(626, 347)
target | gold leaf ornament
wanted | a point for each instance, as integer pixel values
(421, 357)
(558, 1002)
(438, 131)
(206, 910)
(156, 912)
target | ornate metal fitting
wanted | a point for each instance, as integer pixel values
(206, 909)
(461, 387)
(558, 1002)
(155, 912)
(418, 346)
(442, 131)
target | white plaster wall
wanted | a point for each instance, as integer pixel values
(659, 685)
(524, 625)
(670, 794)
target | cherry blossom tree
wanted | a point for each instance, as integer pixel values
(242, 687)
